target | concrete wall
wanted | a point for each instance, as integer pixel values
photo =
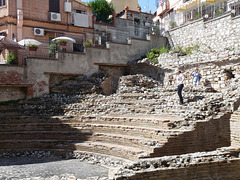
(218, 33)
(38, 71)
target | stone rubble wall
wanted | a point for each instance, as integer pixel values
(220, 164)
(217, 34)
(216, 68)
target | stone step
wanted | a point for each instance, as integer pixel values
(161, 120)
(39, 135)
(126, 152)
(32, 144)
(29, 119)
(44, 127)
(127, 140)
(146, 132)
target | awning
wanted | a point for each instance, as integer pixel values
(188, 5)
(211, 1)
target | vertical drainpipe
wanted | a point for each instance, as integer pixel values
(19, 20)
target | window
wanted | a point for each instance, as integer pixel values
(54, 6)
(79, 11)
(2, 3)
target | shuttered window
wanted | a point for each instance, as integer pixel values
(2, 3)
(54, 6)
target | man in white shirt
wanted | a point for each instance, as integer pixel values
(180, 79)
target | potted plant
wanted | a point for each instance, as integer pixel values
(62, 42)
(33, 47)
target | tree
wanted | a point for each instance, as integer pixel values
(102, 10)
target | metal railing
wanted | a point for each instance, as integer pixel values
(49, 49)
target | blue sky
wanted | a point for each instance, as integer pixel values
(145, 5)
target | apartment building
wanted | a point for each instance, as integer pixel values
(120, 5)
(44, 19)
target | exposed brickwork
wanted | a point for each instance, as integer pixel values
(11, 77)
(235, 129)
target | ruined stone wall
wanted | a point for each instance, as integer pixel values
(13, 93)
(217, 34)
(12, 83)
(216, 68)
(211, 170)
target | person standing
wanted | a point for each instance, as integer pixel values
(196, 77)
(180, 79)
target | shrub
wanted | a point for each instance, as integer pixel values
(172, 24)
(11, 59)
(218, 12)
(197, 15)
(88, 43)
(188, 50)
(52, 50)
(154, 53)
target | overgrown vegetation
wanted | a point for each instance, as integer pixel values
(154, 53)
(188, 50)
(102, 10)
(11, 59)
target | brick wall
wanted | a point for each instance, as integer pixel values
(235, 129)
(206, 136)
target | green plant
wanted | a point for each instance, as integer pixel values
(102, 9)
(52, 50)
(172, 24)
(218, 12)
(197, 15)
(164, 50)
(11, 59)
(32, 46)
(188, 50)
(154, 53)
(88, 43)
(61, 41)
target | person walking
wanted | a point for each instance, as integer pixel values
(196, 77)
(180, 79)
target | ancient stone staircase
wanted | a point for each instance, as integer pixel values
(141, 120)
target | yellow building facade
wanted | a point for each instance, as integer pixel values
(119, 5)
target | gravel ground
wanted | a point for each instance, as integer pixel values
(22, 167)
